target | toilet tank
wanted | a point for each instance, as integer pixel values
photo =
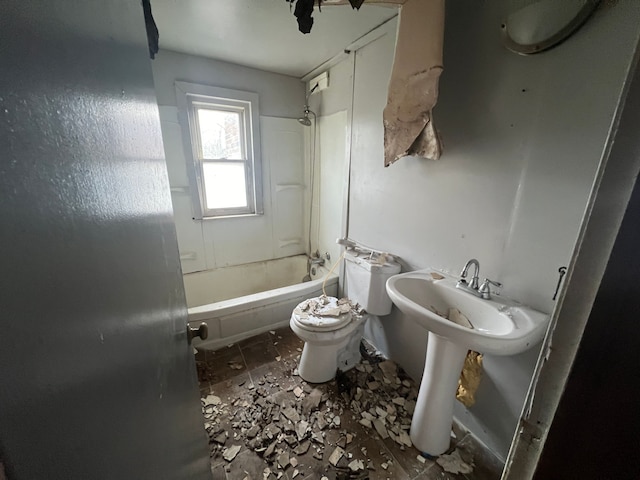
(366, 278)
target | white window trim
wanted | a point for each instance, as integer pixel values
(188, 94)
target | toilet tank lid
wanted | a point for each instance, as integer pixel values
(381, 263)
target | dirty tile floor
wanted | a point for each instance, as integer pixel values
(265, 422)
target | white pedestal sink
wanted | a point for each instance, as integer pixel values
(499, 327)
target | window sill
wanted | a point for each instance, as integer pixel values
(224, 217)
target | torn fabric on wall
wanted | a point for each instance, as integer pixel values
(413, 88)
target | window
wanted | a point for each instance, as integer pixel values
(222, 139)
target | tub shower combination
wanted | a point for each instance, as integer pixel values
(242, 317)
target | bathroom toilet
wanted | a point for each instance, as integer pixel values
(332, 329)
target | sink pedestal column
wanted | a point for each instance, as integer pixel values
(433, 416)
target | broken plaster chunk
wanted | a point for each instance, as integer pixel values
(270, 449)
(453, 463)
(283, 460)
(297, 392)
(405, 439)
(293, 461)
(301, 429)
(253, 431)
(421, 459)
(212, 400)
(381, 429)
(388, 368)
(356, 465)
(322, 423)
(295, 473)
(381, 413)
(302, 448)
(335, 457)
(221, 438)
(317, 437)
(458, 318)
(365, 422)
(336, 420)
(312, 401)
(399, 401)
(231, 452)
(235, 365)
(292, 414)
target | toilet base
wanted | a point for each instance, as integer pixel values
(319, 363)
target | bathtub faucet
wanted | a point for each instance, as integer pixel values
(316, 261)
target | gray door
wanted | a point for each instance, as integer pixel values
(97, 380)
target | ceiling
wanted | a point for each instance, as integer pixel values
(262, 33)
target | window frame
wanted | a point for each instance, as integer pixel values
(190, 98)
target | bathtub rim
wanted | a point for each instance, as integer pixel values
(255, 300)
(215, 314)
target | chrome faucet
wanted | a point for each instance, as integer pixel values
(482, 291)
(474, 280)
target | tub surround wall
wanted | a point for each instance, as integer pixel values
(220, 284)
(331, 184)
(523, 139)
(208, 245)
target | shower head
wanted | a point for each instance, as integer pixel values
(305, 120)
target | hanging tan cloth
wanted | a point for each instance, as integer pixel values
(413, 89)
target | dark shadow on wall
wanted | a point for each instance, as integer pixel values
(594, 434)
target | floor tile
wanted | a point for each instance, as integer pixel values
(260, 338)
(258, 354)
(218, 473)
(229, 390)
(221, 365)
(287, 343)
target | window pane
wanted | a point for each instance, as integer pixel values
(224, 185)
(220, 134)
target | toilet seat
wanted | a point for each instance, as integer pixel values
(321, 323)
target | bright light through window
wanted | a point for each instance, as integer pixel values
(225, 185)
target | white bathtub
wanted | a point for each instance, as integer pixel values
(241, 317)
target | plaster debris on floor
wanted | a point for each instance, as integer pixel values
(265, 422)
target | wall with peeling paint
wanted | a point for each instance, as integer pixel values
(523, 139)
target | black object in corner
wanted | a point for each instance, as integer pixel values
(153, 36)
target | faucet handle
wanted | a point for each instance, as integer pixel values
(485, 289)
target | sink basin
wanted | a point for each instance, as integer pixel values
(500, 326)
(497, 326)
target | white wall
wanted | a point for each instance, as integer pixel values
(220, 243)
(523, 138)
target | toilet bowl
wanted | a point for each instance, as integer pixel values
(332, 329)
(331, 343)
